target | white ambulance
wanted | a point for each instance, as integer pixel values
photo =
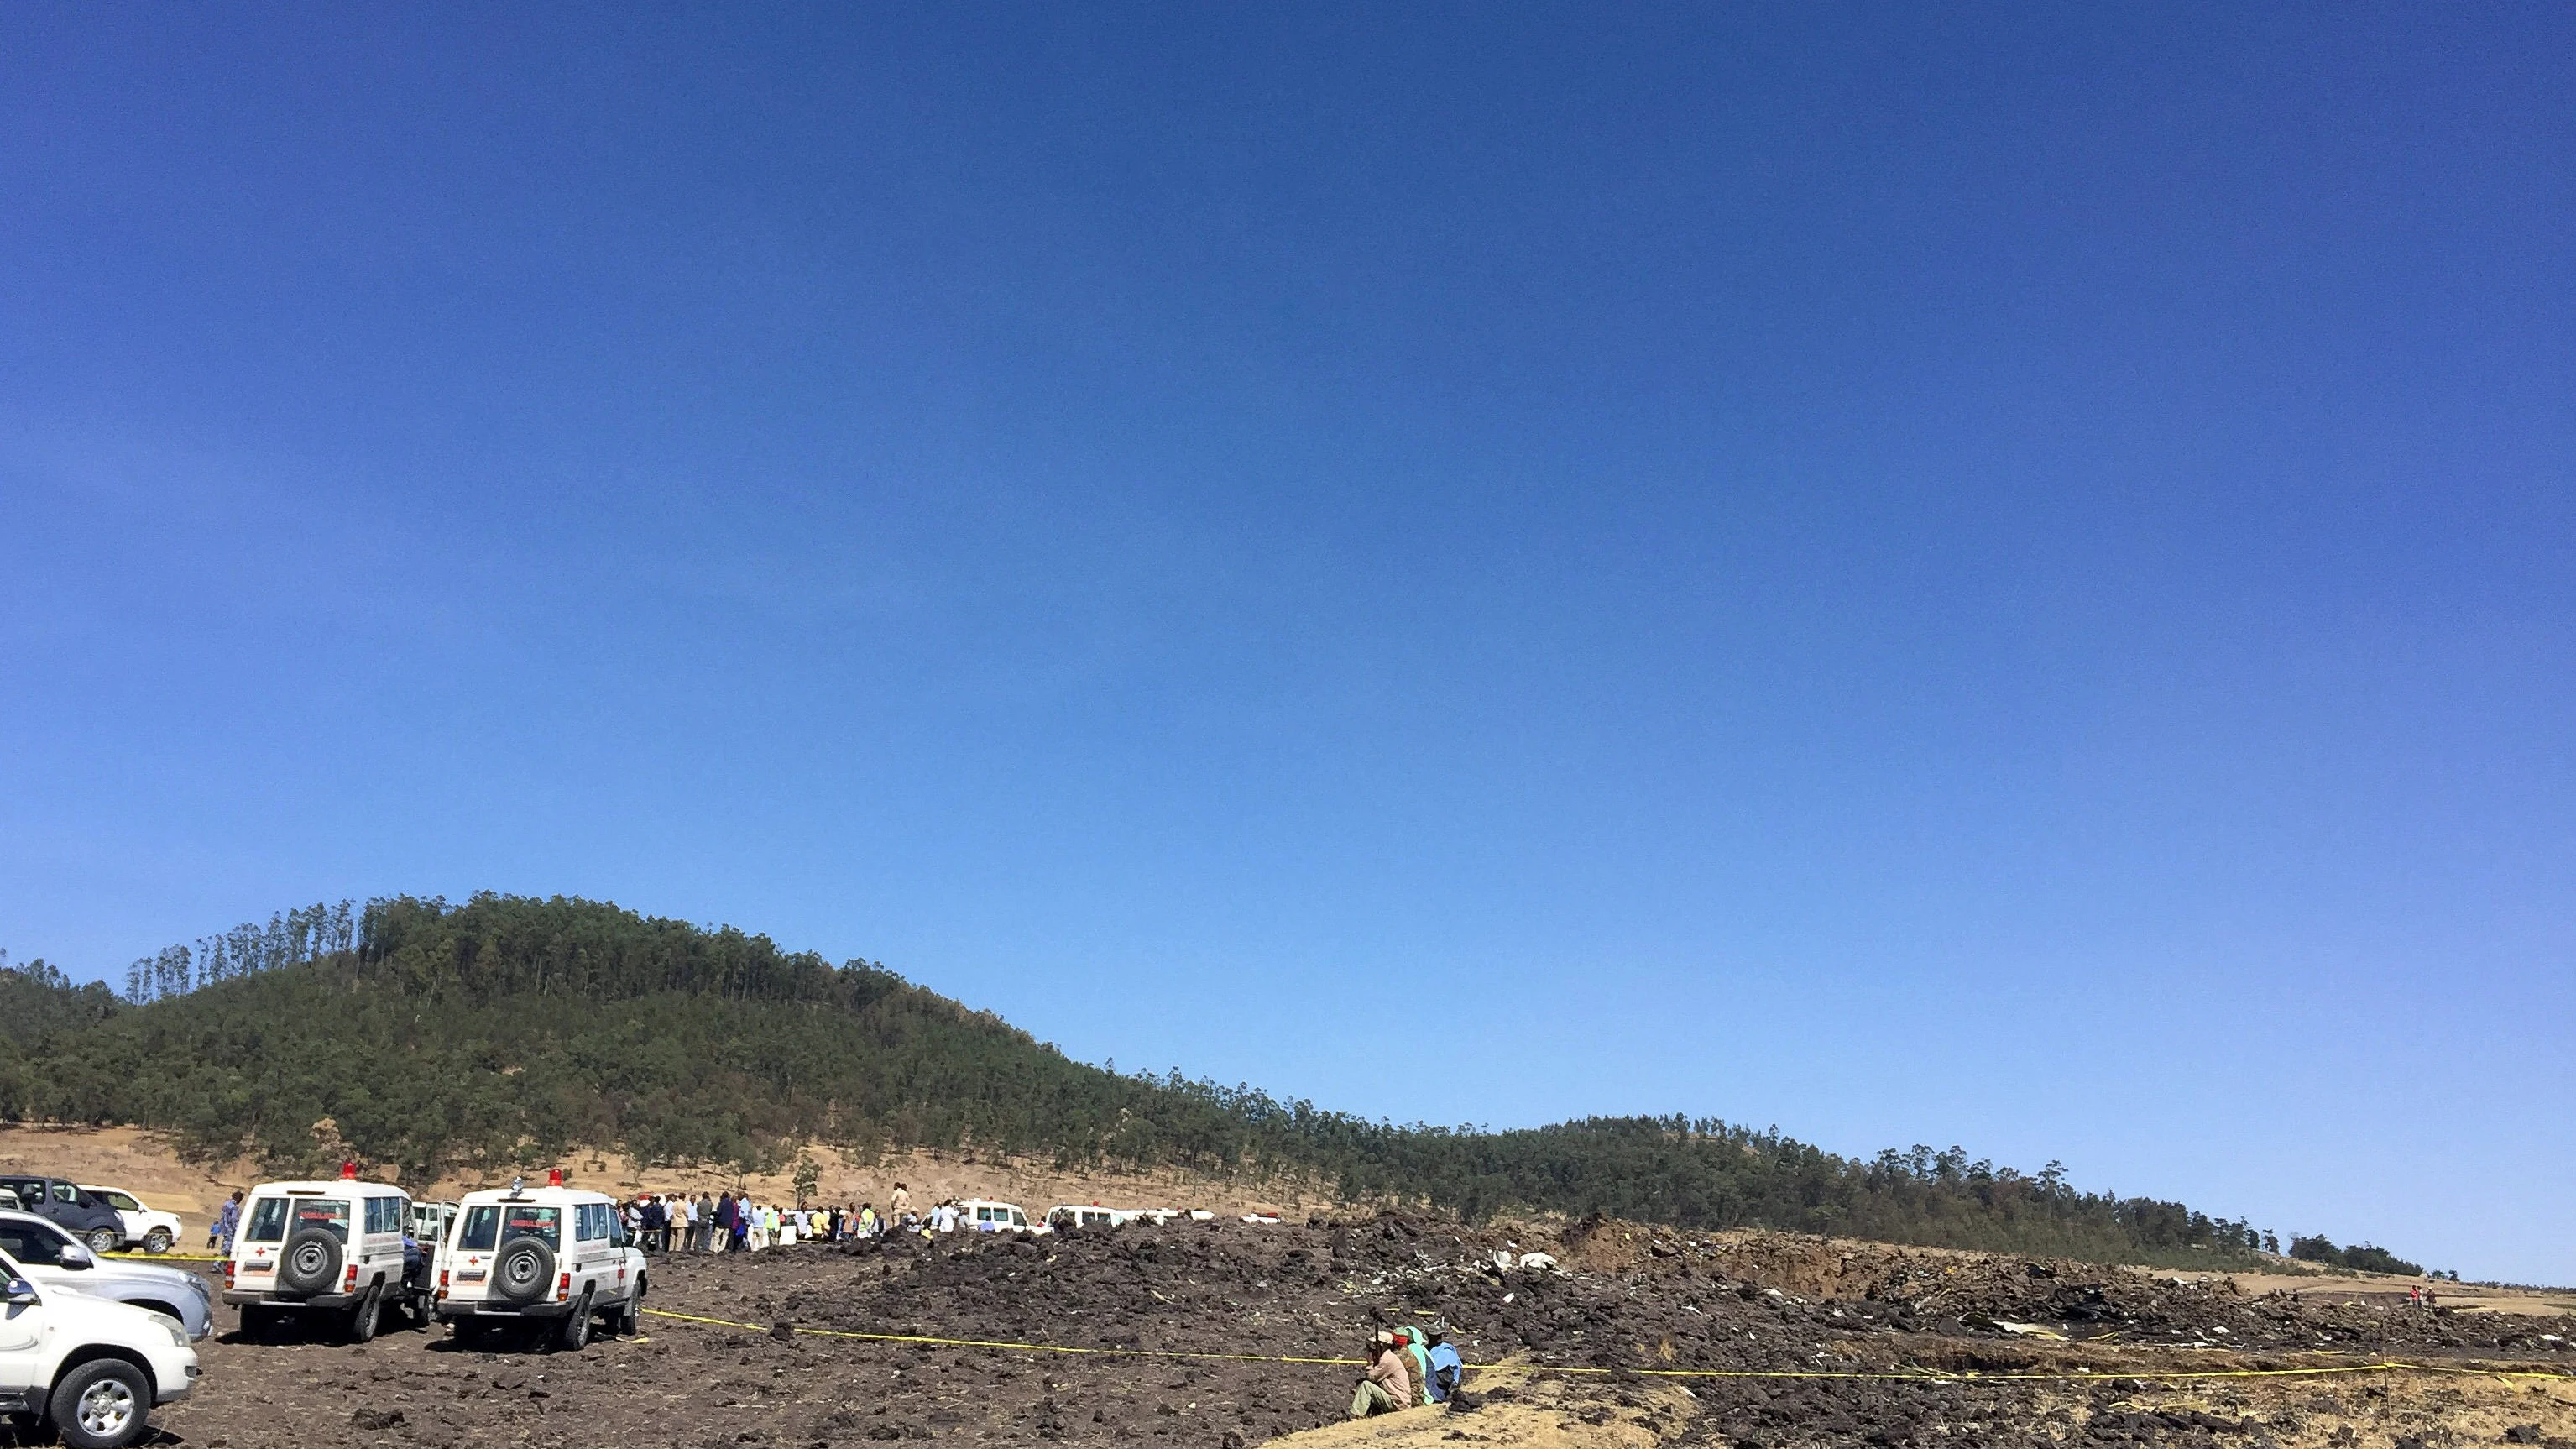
(328, 1248)
(551, 1255)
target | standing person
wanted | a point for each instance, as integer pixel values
(868, 1219)
(899, 1203)
(657, 1225)
(703, 1218)
(1387, 1387)
(726, 1210)
(219, 1233)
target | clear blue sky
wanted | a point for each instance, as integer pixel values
(1951, 575)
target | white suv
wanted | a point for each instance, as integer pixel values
(147, 1228)
(92, 1369)
(319, 1247)
(551, 1254)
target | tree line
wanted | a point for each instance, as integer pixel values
(512, 1031)
(2366, 1257)
(290, 938)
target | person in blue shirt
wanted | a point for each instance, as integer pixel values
(1447, 1369)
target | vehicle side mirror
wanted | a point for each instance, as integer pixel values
(76, 1256)
(19, 1293)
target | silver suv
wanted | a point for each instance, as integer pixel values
(52, 1258)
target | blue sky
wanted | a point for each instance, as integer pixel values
(1996, 576)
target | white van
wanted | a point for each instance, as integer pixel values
(551, 1254)
(1076, 1215)
(983, 1215)
(430, 1222)
(319, 1247)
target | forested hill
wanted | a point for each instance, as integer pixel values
(511, 1030)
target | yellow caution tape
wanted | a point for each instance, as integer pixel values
(1909, 1375)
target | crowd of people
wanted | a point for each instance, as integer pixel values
(729, 1222)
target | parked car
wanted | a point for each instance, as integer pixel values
(55, 1258)
(147, 1228)
(424, 1250)
(982, 1215)
(320, 1248)
(90, 1369)
(431, 1220)
(553, 1256)
(1076, 1215)
(84, 1213)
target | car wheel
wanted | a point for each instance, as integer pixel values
(103, 1404)
(104, 1241)
(364, 1319)
(157, 1241)
(576, 1325)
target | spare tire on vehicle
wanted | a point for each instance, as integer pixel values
(310, 1263)
(523, 1271)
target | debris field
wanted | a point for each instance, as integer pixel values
(1583, 1324)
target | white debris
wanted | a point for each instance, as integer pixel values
(2027, 1330)
(1538, 1261)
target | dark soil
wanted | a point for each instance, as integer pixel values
(1314, 1291)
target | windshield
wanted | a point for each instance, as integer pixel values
(488, 1224)
(122, 1202)
(272, 1218)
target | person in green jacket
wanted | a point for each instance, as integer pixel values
(1417, 1354)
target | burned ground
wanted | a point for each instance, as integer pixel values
(770, 1371)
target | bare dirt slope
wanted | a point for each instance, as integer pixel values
(1917, 1355)
(146, 1164)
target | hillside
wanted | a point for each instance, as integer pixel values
(430, 1036)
